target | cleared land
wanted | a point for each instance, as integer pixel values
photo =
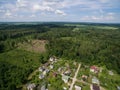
(37, 46)
(106, 27)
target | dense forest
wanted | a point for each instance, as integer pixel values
(88, 43)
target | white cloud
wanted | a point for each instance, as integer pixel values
(60, 12)
(8, 14)
(96, 10)
(105, 17)
(1, 11)
(37, 7)
(33, 16)
(111, 13)
(104, 1)
(21, 3)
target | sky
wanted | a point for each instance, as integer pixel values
(102, 11)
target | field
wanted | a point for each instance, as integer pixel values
(105, 27)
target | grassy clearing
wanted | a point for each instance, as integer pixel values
(77, 25)
(20, 58)
(37, 46)
(105, 27)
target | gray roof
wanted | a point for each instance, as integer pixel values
(43, 87)
(95, 80)
(65, 77)
(31, 86)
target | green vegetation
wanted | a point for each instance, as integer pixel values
(106, 27)
(16, 63)
(15, 66)
(110, 82)
(83, 86)
(90, 44)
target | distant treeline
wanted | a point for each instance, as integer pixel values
(10, 35)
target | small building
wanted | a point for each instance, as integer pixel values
(51, 66)
(46, 64)
(94, 69)
(41, 76)
(43, 87)
(65, 78)
(94, 87)
(55, 74)
(75, 63)
(68, 72)
(59, 69)
(64, 88)
(77, 87)
(31, 86)
(41, 69)
(118, 87)
(95, 80)
(52, 59)
(45, 71)
(111, 73)
(84, 77)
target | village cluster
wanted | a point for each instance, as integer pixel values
(67, 71)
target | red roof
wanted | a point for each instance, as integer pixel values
(94, 67)
(54, 74)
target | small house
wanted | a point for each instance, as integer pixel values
(68, 72)
(41, 76)
(111, 73)
(31, 86)
(94, 69)
(64, 88)
(45, 71)
(55, 74)
(51, 66)
(59, 69)
(43, 87)
(41, 69)
(95, 80)
(94, 87)
(77, 87)
(118, 87)
(46, 64)
(84, 77)
(52, 59)
(65, 78)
